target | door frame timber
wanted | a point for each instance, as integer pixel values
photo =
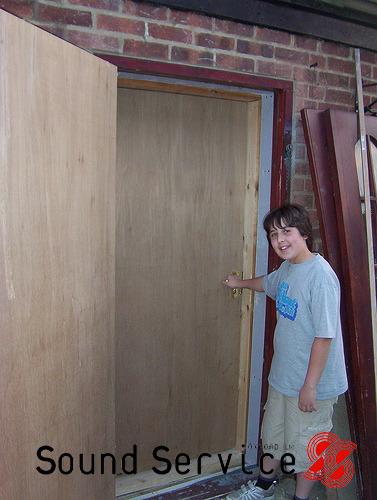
(283, 104)
(280, 163)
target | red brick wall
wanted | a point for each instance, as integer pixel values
(324, 72)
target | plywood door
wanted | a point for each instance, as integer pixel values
(57, 207)
(181, 170)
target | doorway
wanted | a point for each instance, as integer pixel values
(79, 220)
(188, 175)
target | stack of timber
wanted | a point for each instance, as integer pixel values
(331, 138)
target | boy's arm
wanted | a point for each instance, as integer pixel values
(317, 362)
(234, 281)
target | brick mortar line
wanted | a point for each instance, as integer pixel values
(192, 46)
(67, 4)
(82, 8)
(78, 29)
(197, 29)
(167, 23)
(214, 51)
(194, 30)
(119, 14)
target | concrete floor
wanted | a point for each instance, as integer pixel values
(286, 487)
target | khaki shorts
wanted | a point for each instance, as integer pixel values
(286, 429)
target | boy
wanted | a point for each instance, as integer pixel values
(308, 370)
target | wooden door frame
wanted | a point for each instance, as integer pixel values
(281, 146)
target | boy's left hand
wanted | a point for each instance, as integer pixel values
(307, 399)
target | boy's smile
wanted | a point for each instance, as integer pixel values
(290, 245)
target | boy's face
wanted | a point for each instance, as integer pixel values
(289, 244)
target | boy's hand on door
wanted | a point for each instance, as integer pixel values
(233, 281)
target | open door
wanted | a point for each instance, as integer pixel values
(57, 208)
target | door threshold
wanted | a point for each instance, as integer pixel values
(149, 483)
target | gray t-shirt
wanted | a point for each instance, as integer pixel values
(307, 299)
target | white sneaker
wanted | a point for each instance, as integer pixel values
(251, 492)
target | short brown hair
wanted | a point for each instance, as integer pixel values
(290, 215)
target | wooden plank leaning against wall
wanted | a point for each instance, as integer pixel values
(331, 137)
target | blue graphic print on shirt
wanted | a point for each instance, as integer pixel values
(286, 306)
